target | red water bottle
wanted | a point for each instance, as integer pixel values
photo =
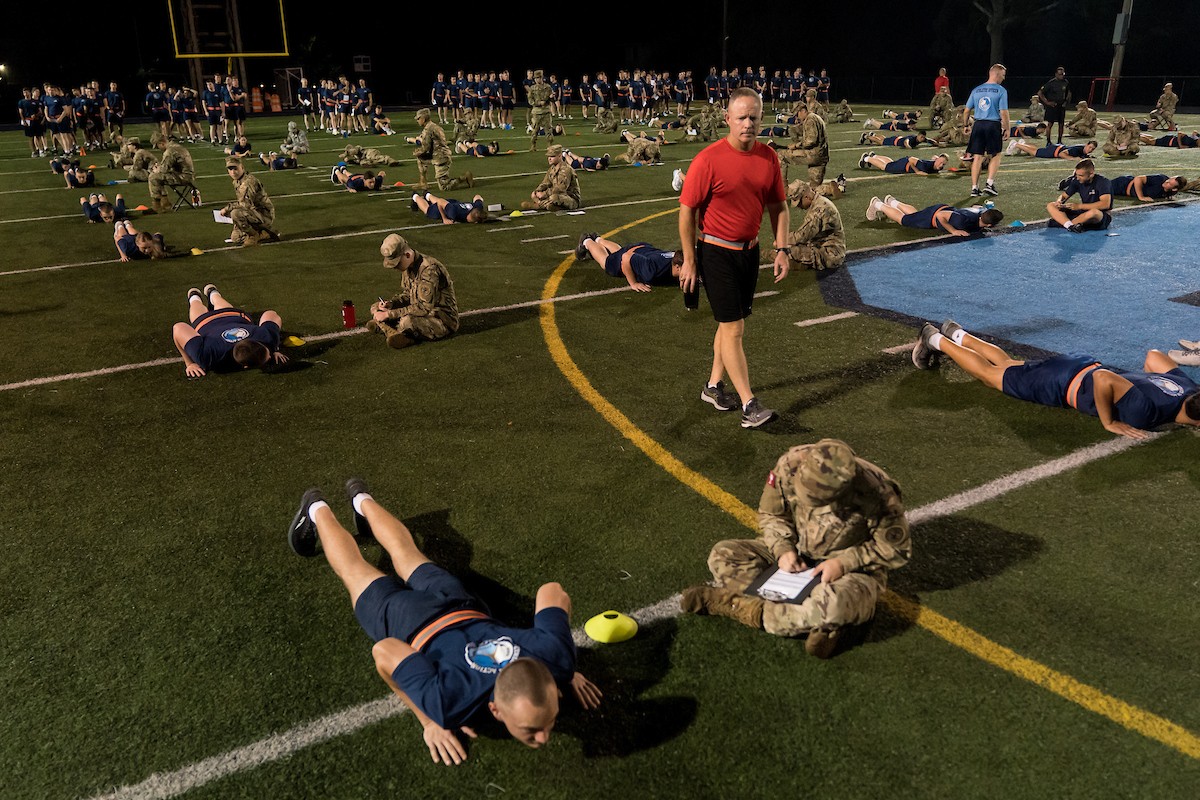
(348, 318)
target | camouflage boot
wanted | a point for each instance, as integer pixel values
(823, 644)
(723, 603)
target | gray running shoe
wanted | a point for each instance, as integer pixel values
(949, 327)
(924, 356)
(719, 398)
(754, 415)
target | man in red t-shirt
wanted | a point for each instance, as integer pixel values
(940, 81)
(728, 185)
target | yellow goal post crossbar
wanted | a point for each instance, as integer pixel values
(175, 40)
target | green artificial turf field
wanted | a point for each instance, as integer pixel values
(1042, 642)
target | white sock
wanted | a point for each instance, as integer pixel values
(357, 502)
(428, 196)
(315, 507)
(935, 341)
(957, 336)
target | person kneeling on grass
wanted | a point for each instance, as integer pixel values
(448, 210)
(135, 246)
(425, 309)
(224, 339)
(642, 265)
(826, 510)
(436, 645)
(955, 221)
(1127, 403)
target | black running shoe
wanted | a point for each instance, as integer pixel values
(302, 534)
(354, 487)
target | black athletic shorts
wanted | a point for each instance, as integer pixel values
(730, 277)
(1056, 113)
(986, 138)
(1100, 225)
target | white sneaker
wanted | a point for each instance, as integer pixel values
(677, 180)
(891, 201)
(873, 209)
(868, 122)
(1189, 357)
(1189, 345)
(1012, 147)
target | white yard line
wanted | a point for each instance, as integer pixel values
(805, 323)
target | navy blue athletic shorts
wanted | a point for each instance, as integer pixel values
(388, 608)
(1045, 382)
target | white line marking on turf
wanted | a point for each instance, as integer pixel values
(509, 228)
(546, 238)
(805, 323)
(768, 293)
(163, 785)
(321, 337)
(900, 348)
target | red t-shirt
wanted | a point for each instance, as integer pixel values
(731, 187)
(939, 82)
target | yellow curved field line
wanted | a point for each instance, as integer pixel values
(1124, 714)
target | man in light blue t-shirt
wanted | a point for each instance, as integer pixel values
(989, 103)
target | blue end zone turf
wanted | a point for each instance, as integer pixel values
(1114, 297)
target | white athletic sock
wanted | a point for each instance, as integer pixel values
(357, 502)
(935, 341)
(315, 507)
(957, 336)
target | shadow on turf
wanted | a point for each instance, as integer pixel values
(624, 723)
(950, 552)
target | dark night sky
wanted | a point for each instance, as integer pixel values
(850, 39)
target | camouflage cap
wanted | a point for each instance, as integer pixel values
(424, 112)
(392, 250)
(537, 73)
(797, 189)
(232, 161)
(155, 138)
(1081, 104)
(828, 468)
(554, 151)
(291, 126)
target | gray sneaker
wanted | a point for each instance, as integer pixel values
(924, 356)
(581, 251)
(754, 415)
(949, 328)
(719, 398)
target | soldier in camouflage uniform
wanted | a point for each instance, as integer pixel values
(1163, 115)
(143, 161)
(296, 141)
(559, 189)
(1083, 124)
(540, 117)
(843, 113)
(811, 147)
(711, 119)
(1123, 141)
(941, 107)
(820, 240)
(467, 128)
(425, 309)
(252, 211)
(366, 156)
(606, 121)
(432, 148)
(176, 168)
(953, 130)
(1036, 112)
(821, 506)
(122, 157)
(640, 149)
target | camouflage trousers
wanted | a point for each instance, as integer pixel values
(248, 224)
(441, 172)
(292, 150)
(159, 181)
(409, 330)
(557, 202)
(850, 600)
(1113, 150)
(372, 157)
(1165, 119)
(817, 256)
(1081, 130)
(541, 119)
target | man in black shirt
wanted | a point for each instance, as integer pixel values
(1091, 213)
(1055, 95)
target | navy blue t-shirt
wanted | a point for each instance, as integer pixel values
(213, 348)
(457, 211)
(649, 264)
(1152, 401)
(455, 674)
(1090, 192)
(1153, 187)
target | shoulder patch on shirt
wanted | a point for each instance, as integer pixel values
(771, 479)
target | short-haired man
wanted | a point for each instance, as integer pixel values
(988, 104)
(1148, 188)
(642, 265)
(1127, 403)
(436, 645)
(223, 338)
(1070, 152)
(425, 309)
(1055, 95)
(954, 221)
(449, 211)
(909, 165)
(1091, 213)
(729, 185)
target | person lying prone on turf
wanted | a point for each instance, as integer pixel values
(449, 210)
(1148, 188)
(79, 177)
(909, 165)
(1127, 403)
(1073, 152)
(641, 264)
(96, 208)
(135, 246)
(436, 645)
(224, 338)
(276, 162)
(955, 221)
(354, 182)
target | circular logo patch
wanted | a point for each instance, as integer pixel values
(233, 335)
(491, 655)
(1167, 385)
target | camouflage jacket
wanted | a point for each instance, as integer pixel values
(822, 227)
(539, 95)
(560, 179)
(432, 142)
(250, 194)
(812, 137)
(1086, 117)
(865, 529)
(177, 160)
(425, 291)
(1167, 102)
(143, 159)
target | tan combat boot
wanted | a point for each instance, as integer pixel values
(822, 644)
(723, 603)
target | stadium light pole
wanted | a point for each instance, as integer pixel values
(724, 32)
(1120, 36)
